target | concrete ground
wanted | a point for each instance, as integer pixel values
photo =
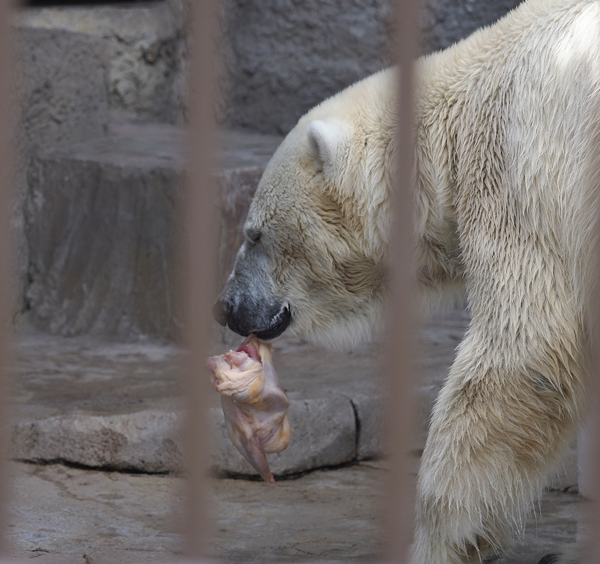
(88, 412)
(64, 515)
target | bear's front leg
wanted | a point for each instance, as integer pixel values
(502, 419)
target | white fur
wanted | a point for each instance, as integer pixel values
(329, 142)
(506, 148)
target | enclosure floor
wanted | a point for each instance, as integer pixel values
(65, 515)
(83, 515)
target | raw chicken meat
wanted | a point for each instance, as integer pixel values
(254, 404)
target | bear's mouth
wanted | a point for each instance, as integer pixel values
(278, 325)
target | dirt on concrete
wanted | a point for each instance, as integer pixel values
(65, 515)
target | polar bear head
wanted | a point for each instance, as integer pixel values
(312, 261)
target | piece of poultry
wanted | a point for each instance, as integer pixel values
(254, 405)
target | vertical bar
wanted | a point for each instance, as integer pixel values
(589, 437)
(199, 271)
(5, 260)
(591, 434)
(402, 342)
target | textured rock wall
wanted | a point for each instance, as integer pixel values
(60, 97)
(79, 68)
(281, 57)
(443, 22)
(146, 55)
(285, 56)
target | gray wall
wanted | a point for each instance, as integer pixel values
(281, 57)
(60, 98)
(444, 22)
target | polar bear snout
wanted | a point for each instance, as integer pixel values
(247, 316)
(250, 302)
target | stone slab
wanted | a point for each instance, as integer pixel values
(105, 404)
(117, 405)
(144, 441)
(150, 441)
(324, 435)
(370, 435)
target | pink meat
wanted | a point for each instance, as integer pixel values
(254, 404)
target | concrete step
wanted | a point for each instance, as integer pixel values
(111, 405)
(53, 105)
(102, 227)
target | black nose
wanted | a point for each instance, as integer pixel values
(221, 311)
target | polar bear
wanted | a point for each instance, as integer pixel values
(506, 145)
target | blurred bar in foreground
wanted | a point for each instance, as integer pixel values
(589, 452)
(402, 322)
(200, 259)
(5, 259)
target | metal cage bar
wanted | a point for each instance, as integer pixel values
(5, 258)
(402, 343)
(200, 259)
(590, 472)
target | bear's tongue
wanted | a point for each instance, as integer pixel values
(250, 349)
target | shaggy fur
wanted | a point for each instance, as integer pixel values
(506, 138)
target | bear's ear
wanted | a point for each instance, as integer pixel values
(328, 143)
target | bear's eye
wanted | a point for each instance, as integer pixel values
(253, 235)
